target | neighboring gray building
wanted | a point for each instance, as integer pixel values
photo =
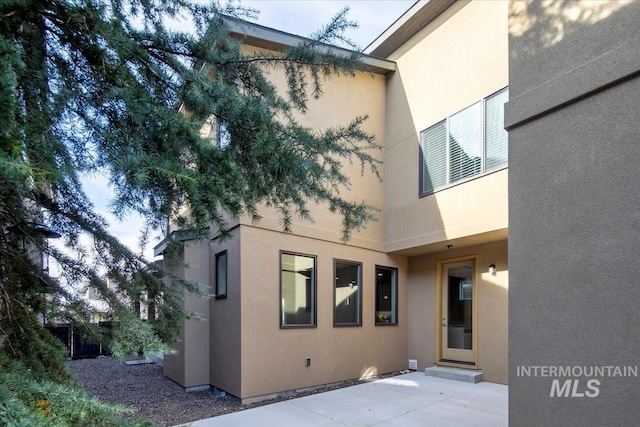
(574, 212)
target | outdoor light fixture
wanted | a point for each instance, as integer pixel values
(492, 269)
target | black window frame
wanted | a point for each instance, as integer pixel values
(393, 321)
(217, 293)
(358, 322)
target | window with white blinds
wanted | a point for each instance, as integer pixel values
(434, 154)
(466, 144)
(495, 135)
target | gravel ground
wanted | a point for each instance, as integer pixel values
(157, 398)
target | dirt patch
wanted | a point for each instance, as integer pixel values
(153, 396)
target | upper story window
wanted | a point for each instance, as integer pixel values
(223, 137)
(467, 144)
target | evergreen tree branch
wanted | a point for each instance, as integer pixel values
(103, 85)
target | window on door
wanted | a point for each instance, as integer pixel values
(457, 310)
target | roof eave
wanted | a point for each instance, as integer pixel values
(418, 16)
(279, 41)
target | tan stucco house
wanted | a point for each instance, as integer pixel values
(428, 282)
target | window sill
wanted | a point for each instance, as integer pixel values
(298, 326)
(386, 324)
(464, 181)
(343, 325)
(220, 297)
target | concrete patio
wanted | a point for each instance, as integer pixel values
(406, 400)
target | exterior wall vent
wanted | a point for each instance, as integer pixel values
(413, 364)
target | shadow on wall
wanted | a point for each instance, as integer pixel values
(572, 296)
(430, 197)
(408, 216)
(554, 20)
(548, 38)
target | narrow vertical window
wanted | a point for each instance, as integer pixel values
(495, 135)
(347, 293)
(297, 290)
(386, 296)
(221, 275)
(223, 137)
(434, 157)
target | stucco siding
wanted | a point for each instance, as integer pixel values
(344, 98)
(225, 319)
(458, 59)
(190, 366)
(492, 294)
(573, 207)
(274, 359)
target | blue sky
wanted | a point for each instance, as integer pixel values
(300, 17)
(303, 17)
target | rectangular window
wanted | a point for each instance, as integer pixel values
(386, 296)
(466, 144)
(221, 275)
(297, 290)
(434, 155)
(495, 135)
(347, 293)
(223, 137)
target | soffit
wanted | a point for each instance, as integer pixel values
(279, 41)
(442, 245)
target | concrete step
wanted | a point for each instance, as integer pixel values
(466, 375)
